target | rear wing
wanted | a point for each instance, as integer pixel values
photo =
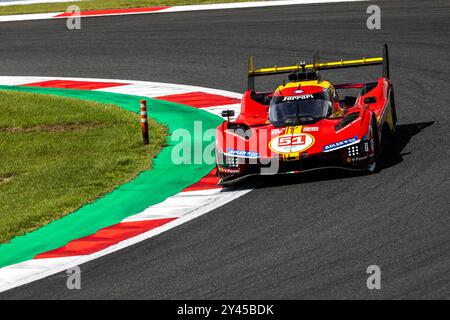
(317, 66)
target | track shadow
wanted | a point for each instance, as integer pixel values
(391, 155)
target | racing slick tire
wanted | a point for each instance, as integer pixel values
(393, 110)
(371, 166)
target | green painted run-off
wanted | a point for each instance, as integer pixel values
(150, 187)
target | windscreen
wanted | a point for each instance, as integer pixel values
(293, 110)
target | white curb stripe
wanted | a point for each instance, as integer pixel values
(14, 275)
(178, 205)
(17, 81)
(146, 90)
(220, 6)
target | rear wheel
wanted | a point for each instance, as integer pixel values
(374, 145)
(393, 110)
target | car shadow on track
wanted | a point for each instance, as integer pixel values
(391, 155)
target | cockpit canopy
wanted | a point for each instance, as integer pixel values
(300, 109)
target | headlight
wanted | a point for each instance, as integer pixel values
(232, 162)
(353, 151)
(359, 149)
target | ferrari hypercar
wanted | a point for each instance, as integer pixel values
(307, 123)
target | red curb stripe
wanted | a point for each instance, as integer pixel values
(104, 238)
(70, 84)
(112, 11)
(209, 181)
(109, 236)
(199, 99)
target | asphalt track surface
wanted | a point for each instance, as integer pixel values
(307, 236)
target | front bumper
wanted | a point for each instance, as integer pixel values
(357, 157)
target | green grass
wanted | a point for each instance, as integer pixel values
(57, 154)
(100, 4)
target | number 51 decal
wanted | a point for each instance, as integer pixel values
(289, 143)
(291, 140)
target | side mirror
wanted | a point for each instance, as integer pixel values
(227, 114)
(370, 100)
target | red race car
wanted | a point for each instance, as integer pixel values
(304, 125)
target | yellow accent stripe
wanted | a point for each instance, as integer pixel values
(293, 130)
(293, 155)
(297, 129)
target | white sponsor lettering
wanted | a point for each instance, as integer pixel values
(310, 129)
(294, 98)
